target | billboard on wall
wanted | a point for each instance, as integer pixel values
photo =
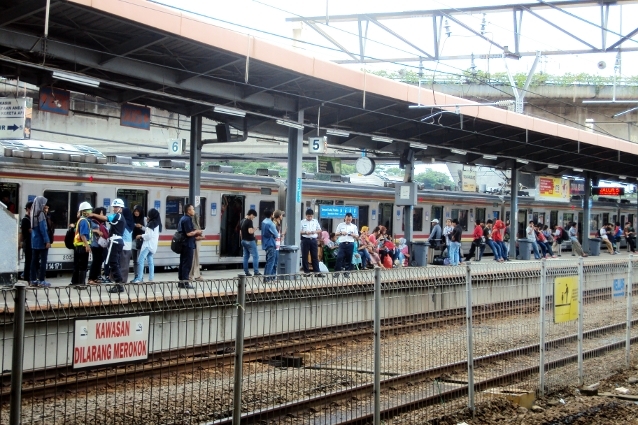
(552, 188)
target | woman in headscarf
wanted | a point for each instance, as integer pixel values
(403, 255)
(139, 223)
(150, 240)
(40, 243)
(127, 238)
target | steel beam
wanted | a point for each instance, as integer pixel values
(131, 46)
(23, 10)
(406, 41)
(330, 39)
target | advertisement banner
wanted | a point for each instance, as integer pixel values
(468, 181)
(552, 189)
(109, 341)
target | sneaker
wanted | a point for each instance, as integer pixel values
(320, 275)
(44, 284)
(34, 283)
(258, 274)
(116, 289)
(136, 281)
(247, 274)
(185, 285)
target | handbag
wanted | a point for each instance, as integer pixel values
(138, 243)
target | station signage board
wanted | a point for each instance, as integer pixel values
(105, 341)
(328, 165)
(338, 211)
(608, 191)
(15, 118)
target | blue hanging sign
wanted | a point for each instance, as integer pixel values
(107, 202)
(338, 211)
(157, 205)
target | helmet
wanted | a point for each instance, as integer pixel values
(118, 203)
(85, 206)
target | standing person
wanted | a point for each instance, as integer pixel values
(4, 197)
(195, 273)
(248, 242)
(477, 242)
(139, 223)
(630, 236)
(530, 232)
(498, 234)
(117, 224)
(347, 233)
(25, 241)
(99, 233)
(185, 226)
(127, 247)
(150, 240)
(277, 218)
(269, 235)
(40, 243)
(81, 246)
(446, 233)
(50, 225)
(310, 231)
(573, 237)
(455, 242)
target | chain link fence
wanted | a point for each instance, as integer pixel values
(405, 345)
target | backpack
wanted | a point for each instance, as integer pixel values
(69, 237)
(564, 236)
(103, 240)
(178, 240)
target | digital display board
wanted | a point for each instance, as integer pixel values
(608, 191)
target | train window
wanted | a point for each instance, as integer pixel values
(553, 218)
(567, 218)
(461, 215)
(175, 211)
(132, 197)
(539, 218)
(480, 214)
(593, 222)
(437, 212)
(605, 219)
(202, 213)
(630, 219)
(386, 213)
(326, 223)
(63, 206)
(364, 212)
(10, 196)
(417, 219)
(263, 206)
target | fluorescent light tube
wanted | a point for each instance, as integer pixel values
(229, 111)
(622, 177)
(522, 161)
(578, 170)
(554, 166)
(290, 124)
(490, 157)
(458, 151)
(340, 133)
(418, 146)
(75, 78)
(382, 139)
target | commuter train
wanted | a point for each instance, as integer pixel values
(69, 174)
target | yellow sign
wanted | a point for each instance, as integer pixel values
(468, 181)
(552, 188)
(565, 299)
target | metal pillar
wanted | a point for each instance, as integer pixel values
(377, 347)
(195, 171)
(239, 349)
(293, 196)
(586, 213)
(408, 221)
(513, 210)
(17, 358)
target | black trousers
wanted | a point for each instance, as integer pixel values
(344, 256)
(27, 262)
(80, 263)
(185, 263)
(309, 245)
(114, 261)
(96, 264)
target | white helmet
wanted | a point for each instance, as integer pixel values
(85, 206)
(118, 203)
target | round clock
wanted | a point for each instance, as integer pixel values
(365, 166)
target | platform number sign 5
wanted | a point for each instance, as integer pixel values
(317, 145)
(175, 147)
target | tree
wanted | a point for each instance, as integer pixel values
(431, 178)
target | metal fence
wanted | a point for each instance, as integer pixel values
(405, 345)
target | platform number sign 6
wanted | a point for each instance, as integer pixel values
(175, 147)
(317, 145)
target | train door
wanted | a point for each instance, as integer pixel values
(233, 207)
(480, 215)
(10, 196)
(630, 219)
(522, 223)
(553, 218)
(461, 216)
(605, 219)
(386, 215)
(132, 197)
(326, 223)
(437, 212)
(364, 211)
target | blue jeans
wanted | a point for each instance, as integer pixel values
(502, 246)
(250, 248)
(365, 257)
(39, 264)
(139, 273)
(537, 254)
(495, 249)
(271, 264)
(455, 248)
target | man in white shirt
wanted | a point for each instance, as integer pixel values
(606, 241)
(310, 231)
(347, 233)
(531, 237)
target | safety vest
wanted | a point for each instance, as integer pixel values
(77, 240)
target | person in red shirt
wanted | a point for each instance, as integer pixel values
(497, 237)
(477, 242)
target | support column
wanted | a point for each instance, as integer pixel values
(408, 221)
(586, 213)
(293, 196)
(195, 171)
(513, 210)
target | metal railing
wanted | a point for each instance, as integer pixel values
(412, 344)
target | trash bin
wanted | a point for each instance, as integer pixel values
(288, 259)
(524, 248)
(419, 254)
(594, 247)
